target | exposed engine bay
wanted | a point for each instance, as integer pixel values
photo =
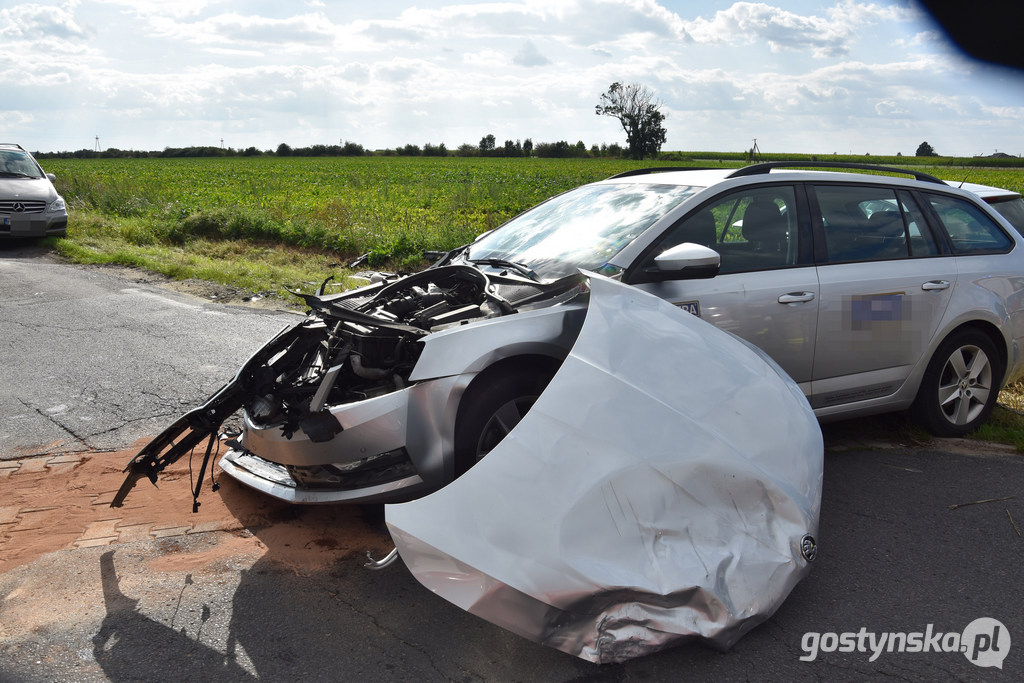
(353, 348)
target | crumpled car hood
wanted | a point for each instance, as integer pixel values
(664, 487)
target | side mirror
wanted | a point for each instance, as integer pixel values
(686, 261)
(51, 177)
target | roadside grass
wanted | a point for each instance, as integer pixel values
(1006, 424)
(263, 268)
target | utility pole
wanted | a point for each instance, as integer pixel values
(755, 153)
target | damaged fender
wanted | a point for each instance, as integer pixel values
(664, 487)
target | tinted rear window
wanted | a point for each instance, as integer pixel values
(1012, 210)
(970, 229)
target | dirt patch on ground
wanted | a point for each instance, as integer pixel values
(53, 503)
(202, 289)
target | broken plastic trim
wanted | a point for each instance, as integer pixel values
(197, 425)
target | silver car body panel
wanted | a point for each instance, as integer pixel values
(549, 331)
(656, 492)
(741, 304)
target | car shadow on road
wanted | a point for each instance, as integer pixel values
(307, 609)
(128, 642)
(25, 247)
(309, 606)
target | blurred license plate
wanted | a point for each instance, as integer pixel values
(690, 307)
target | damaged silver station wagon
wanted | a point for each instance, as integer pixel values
(653, 476)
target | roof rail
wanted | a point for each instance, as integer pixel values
(655, 169)
(764, 168)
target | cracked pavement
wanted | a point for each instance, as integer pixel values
(71, 379)
(252, 590)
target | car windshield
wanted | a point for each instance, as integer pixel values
(1012, 210)
(583, 228)
(15, 164)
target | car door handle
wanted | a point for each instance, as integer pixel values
(796, 297)
(932, 285)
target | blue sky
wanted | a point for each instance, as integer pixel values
(799, 76)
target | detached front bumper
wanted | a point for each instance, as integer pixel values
(397, 481)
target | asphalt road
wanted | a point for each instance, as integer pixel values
(92, 359)
(906, 545)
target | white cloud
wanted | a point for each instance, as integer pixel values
(925, 39)
(149, 8)
(31, 21)
(485, 58)
(890, 108)
(529, 55)
(745, 22)
(304, 29)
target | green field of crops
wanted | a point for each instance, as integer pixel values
(268, 223)
(389, 206)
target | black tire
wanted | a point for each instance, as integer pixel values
(490, 409)
(960, 387)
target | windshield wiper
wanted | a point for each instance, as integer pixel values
(15, 174)
(502, 263)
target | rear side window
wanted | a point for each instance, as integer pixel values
(1012, 210)
(867, 223)
(970, 229)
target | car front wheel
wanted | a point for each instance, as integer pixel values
(492, 411)
(960, 386)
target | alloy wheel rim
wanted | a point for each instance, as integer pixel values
(503, 421)
(965, 385)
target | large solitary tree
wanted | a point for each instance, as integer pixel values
(640, 115)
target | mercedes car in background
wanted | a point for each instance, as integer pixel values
(29, 203)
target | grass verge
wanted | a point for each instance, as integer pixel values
(1005, 425)
(266, 269)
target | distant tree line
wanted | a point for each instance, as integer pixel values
(487, 147)
(632, 104)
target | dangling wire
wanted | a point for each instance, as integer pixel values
(197, 485)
